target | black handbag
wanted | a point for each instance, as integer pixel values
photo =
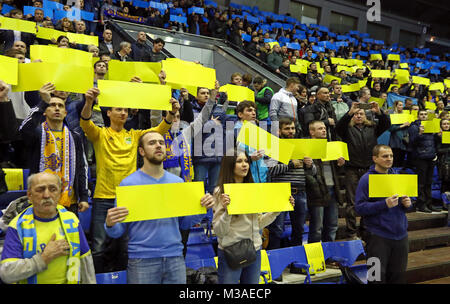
(240, 254)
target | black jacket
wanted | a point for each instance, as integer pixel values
(7, 37)
(361, 141)
(320, 111)
(32, 134)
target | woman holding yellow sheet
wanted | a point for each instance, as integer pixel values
(239, 252)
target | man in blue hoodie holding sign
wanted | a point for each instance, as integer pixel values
(385, 221)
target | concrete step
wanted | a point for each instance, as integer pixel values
(428, 238)
(416, 221)
(445, 280)
(426, 265)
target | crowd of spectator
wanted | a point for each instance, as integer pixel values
(37, 124)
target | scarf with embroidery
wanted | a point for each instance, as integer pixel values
(177, 159)
(27, 233)
(58, 162)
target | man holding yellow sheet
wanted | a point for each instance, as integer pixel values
(116, 157)
(361, 135)
(155, 251)
(423, 158)
(294, 173)
(385, 221)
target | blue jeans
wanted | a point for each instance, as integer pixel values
(246, 275)
(98, 234)
(207, 173)
(167, 270)
(298, 217)
(323, 224)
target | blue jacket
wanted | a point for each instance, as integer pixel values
(379, 219)
(421, 146)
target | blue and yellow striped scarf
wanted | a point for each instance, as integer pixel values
(24, 224)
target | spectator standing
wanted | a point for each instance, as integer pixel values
(361, 136)
(155, 251)
(385, 221)
(231, 229)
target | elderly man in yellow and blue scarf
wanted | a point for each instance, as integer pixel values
(45, 244)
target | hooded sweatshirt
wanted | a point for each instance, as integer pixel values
(379, 219)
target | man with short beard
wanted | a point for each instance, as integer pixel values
(116, 157)
(154, 246)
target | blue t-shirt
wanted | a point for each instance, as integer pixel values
(152, 238)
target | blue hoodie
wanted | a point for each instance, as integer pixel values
(379, 219)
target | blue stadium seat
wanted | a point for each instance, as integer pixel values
(119, 277)
(199, 245)
(345, 252)
(196, 264)
(279, 259)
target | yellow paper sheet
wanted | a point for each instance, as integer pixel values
(336, 150)
(438, 86)
(393, 57)
(430, 105)
(432, 126)
(303, 69)
(347, 88)
(381, 74)
(9, 69)
(238, 93)
(339, 61)
(420, 80)
(446, 137)
(185, 73)
(306, 147)
(272, 44)
(387, 185)
(380, 101)
(68, 78)
(54, 54)
(402, 76)
(17, 25)
(149, 202)
(399, 119)
(404, 65)
(246, 198)
(259, 139)
(315, 257)
(375, 57)
(265, 266)
(320, 70)
(134, 95)
(362, 83)
(83, 39)
(328, 78)
(125, 71)
(414, 114)
(48, 33)
(447, 83)
(14, 179)
(344, 68)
